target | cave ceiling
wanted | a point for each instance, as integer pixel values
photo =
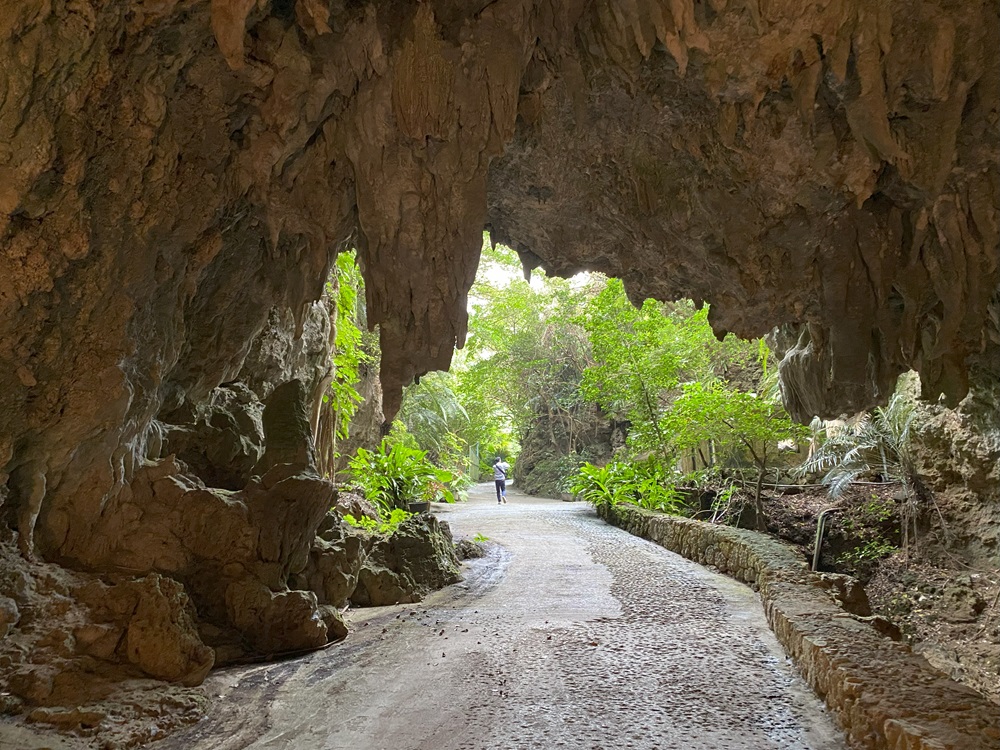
(171, 170)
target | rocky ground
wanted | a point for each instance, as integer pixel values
(569, 633)
(947, 609)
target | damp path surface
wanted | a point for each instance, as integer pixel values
(569, 634)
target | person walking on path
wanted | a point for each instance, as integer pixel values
(500, 469)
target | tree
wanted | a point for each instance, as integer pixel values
(431, 409)
(737, 422)
(642, 354)
(435, 420)
(341, 401)
(524, 356)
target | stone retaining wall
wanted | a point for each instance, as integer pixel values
(884, 696)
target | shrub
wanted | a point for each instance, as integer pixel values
(646, 484)
(395, 474)
(388, 527)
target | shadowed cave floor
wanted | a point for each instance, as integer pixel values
(569, 633)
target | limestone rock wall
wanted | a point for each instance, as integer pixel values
(883, 696)
(958, 456)
(173, 171)
(175, 177)
(557, 442)
(829, 168)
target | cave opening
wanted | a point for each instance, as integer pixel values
(178, 180)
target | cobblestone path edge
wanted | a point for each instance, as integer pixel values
(882, 695)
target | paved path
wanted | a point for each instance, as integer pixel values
(569, 634)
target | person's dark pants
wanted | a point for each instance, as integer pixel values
(501, 487)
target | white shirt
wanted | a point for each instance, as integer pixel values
(500, 470)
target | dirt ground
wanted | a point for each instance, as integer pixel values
(946, 609)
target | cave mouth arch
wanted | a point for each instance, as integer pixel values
(176, 180)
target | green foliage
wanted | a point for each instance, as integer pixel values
(553, 352)
(736, 421)
(349, 354)
(634, 362)
(366, 523)
(740, 424)
(480, 538)
(871, 526)
(600, 485)
(646, 484)
(434, 418)
(524, 354)
(643, 355)
(866, 553)
(876, 444)
(396, 474)
(431, 410)
(386, 528)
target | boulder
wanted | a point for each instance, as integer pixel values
(961, 603)
(847, 591)
(335, 562)
(275, 622)
(287, 429)
(9, 615)
(220, 441)
(418, 558)
(149, 622)
(161, 637)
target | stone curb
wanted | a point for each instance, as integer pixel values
(883, 696)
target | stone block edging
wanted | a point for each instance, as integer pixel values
(882, 695)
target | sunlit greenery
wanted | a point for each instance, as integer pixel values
(646, 483)
(559, 352)
(395, 474)
(387, 527)
(348, 352)
(556, 349)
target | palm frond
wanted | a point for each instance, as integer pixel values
(840, 478)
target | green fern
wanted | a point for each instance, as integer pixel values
(876, 444)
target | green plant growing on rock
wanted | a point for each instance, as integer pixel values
(373, 526)
(395, 474)
(876, 445)
(867, 553)
(351, 351)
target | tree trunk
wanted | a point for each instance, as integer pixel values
(759, 518)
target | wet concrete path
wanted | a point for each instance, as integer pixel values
(569, 634)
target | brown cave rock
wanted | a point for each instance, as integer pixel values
(173, 174)
(335, 560)
(176, 177)
(416, 559)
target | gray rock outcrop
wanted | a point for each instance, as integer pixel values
(418, 558)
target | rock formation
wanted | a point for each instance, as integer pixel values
(557, 442)
(175, 176)
(418, 558)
